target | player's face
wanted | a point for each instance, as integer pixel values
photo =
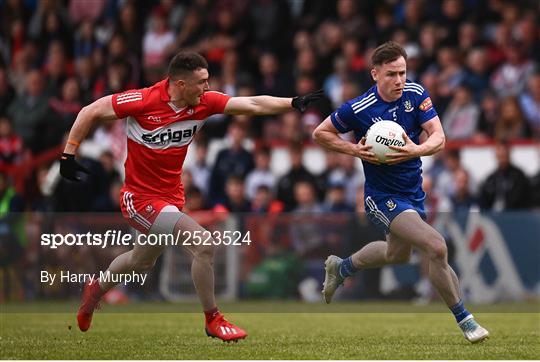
(390, 78)
(194, 86)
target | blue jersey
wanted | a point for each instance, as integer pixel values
(411, 110)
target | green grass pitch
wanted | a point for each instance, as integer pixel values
(280, 330)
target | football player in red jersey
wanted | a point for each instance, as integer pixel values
(161, 123)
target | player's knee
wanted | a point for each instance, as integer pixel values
(205, 252)
(438, 250)
(142, 264)
(398, 257)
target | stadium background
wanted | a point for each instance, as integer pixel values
(478, 59)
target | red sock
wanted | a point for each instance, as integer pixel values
(210, 314)
(96, 289)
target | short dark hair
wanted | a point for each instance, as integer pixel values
(185, 62)
(387, 53)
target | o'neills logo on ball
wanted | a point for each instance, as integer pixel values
(389, 142)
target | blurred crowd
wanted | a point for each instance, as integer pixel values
(479, 60)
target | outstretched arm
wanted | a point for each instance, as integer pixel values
(99, 111)
(259, 105)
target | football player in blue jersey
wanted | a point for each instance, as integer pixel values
(393, 191)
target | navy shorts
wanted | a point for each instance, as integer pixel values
(382, 208)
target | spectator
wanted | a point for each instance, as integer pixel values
(527, 33)
(262, 16)
(155, 43)
(335, 199)
(489, 114)
(57, 69)
(511, 123)
(450, 71)
(129, 25)
(530, 103)
(201, 169)
(234, 160)
(194, 200)
(328, 42)
(264, 202)
(54, 26)
(262, 174)
(85, 40)
(7, 92)
(351, 21)
(116, 79)
(65, 107)
(235, 199)
(461, 117)
(118, 51)
(297, 173)
(507, 188)
(348, 175)
(175, 13)
(414, 61)
(384, 23)
(333, 85)
(444, 176)
(461, 198)
(430, 82)
(290, 128)
(477, 72)
(29, 111)
(307, 234)
(86, 79)
(356, 64)
(110, 176)
(451, 17)
(86, 11)
(11, 146)
(429, 38)
(224, 36)
(469, 36)
(192, 31)
(272, 81)
(510, 78)
(21, 65)
(13, 11)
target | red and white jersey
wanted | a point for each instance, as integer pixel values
(159, 134)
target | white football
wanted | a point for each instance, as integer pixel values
(383, 134)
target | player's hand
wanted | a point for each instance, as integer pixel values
(69, 167)
(363, 152)
(301, 102)
(405, 153)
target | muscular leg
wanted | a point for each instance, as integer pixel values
(380, 253)
(139, 259)
(143, 257)
(202, 266)
(409, 226)
(373, 255)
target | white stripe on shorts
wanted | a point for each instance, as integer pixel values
(376, 212)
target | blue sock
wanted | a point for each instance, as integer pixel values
(346, 269)
(459, 311)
